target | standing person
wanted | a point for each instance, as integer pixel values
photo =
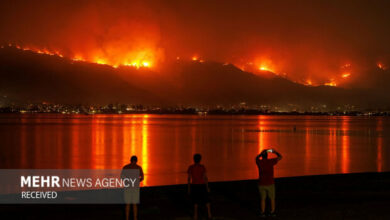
(131, 194)
(198, 185)
(266, 178)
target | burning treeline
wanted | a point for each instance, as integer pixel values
(301, 43)
(149, 58)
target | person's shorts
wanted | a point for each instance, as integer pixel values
(199, 194)
(131, 195)
(267, 191)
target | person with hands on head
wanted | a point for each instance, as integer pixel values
(266, 178)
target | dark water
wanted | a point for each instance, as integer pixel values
(165, 144)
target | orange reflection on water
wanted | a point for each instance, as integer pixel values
(332, 150)
(75, 150)
(345, 148)
(379, 128)
(193, 138)
(108, 139)
(128, 133)
(145, 154)
(263, 142)
(23, 143)
(165, 144)
(98, 142)
(307, 151)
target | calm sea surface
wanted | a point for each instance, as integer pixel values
(165, 144)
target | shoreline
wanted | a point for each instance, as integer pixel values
(331, 114)
(338, 196)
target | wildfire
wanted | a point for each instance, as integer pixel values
(39, 51)
(145, 57)
(196, 58)
(78, 58)
(138, 64)
(330, 84)
(264, 68)
(381, 66)
(309, 82)
(265, 64)
(138, 59)
(346, 75)
(100, 61)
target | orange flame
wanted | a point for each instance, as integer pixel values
(78, 58)
(149, 57)
(346, 75)
(330, 84)
(264, 68)
(309, 82)
(265, 64)
(138, 59)
(381, 66)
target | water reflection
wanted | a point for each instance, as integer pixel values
(262, 142)
(332, 145)
(380, 145)
(345, 145)
(145, 154)
(307, 149)
(165, 144)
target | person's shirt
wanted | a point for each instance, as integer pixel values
(197, 173)
(266, 171)
(132, 166)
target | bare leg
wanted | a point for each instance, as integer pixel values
(135, 211)
(196, 212)
(208, 210)
(272, 205)
(127, 210)
(262, 205)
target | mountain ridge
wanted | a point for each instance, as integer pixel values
(30, 77)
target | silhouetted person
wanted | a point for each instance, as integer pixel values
(131, 194)
(198, 185)
(266, 178)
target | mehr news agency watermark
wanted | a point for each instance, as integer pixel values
(68, 186)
